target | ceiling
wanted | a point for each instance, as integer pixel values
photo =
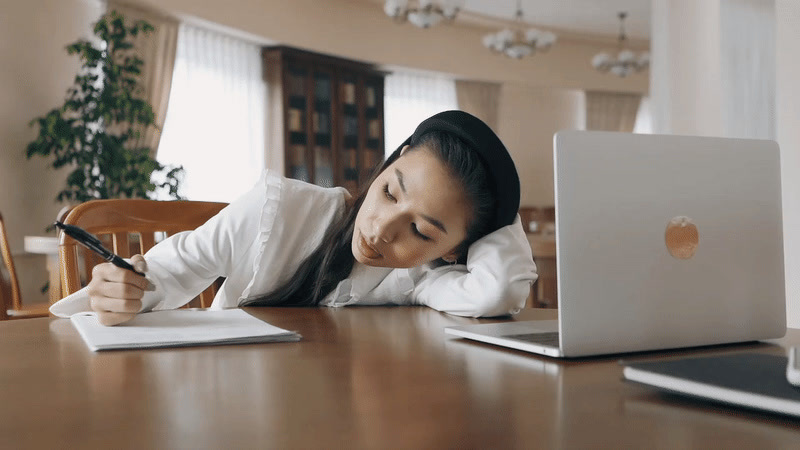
(596, 17)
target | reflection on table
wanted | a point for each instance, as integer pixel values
(362, 377)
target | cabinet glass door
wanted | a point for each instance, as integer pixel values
(372, 156)
(322, 129)
(296, 117)
(350, 129)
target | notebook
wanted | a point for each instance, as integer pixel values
(179, 328)
(750, 380)
(661, 242)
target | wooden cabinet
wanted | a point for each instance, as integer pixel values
(325, 117)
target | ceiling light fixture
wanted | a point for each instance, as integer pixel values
(518, 42)
(423, 13)
(626, 62)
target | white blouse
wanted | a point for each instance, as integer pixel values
(259, 241)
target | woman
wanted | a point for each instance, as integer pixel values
(437, 226)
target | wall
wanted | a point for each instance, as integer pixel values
(360, 30)
(787, 34)
(34, 79)
(528, 118)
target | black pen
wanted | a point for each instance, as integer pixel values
(89, 241)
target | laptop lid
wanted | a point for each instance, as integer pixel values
(666, 241)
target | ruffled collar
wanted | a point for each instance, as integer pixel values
(362, 280)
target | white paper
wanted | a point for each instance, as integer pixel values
(180, 327)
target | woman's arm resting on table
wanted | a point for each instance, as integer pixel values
(495, 281)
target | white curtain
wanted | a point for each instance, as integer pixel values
(611, 111)
(411, 98)
(216, 116)
(157, 50)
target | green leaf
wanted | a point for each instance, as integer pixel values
(102, 116)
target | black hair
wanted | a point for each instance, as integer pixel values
(466, 166)
(332, 261)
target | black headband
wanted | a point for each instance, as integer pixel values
(479, 137)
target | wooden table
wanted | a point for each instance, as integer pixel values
(369, 377)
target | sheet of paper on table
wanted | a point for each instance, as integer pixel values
(179, 328)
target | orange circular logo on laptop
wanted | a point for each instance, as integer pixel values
(681, 237)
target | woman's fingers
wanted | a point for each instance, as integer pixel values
(119, 305)
(112, 289)
(115, 294)
(108, 272)
(138, 263)
(110, 319)
(114, 311)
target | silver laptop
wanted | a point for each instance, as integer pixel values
(661, 242)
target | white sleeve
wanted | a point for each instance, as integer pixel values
(495, 281)
(185, 264)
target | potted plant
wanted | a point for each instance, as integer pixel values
(95, 131)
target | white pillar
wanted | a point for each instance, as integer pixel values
(685, 91)
(787, 32)
(747, 38)
(713, 67)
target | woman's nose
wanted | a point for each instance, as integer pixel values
(385, 228)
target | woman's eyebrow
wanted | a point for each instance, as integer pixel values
(400, 180)
(435, 223)
(430, 219)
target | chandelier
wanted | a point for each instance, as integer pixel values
(423, 13)
(518, 42)
(626, 62)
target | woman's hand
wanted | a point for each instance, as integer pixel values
(115, 294)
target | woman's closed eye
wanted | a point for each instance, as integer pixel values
(388, 194)
(415, 230)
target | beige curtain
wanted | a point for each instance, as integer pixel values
(157, 49)
(611, 111)
(479, 99)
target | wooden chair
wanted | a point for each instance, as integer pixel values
(128, 227)
(528, 214)
(543, 245)
(10, 296)
(4, 304)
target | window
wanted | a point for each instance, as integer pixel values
(412, 98)
(215, 123)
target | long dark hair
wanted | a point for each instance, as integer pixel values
(333, 260)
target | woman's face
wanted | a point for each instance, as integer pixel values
(414, 212)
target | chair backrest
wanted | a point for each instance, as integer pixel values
(535, 219)
(15, 300)
(3, 303)
(127, 227)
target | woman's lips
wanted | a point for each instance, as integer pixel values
(366, 250)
